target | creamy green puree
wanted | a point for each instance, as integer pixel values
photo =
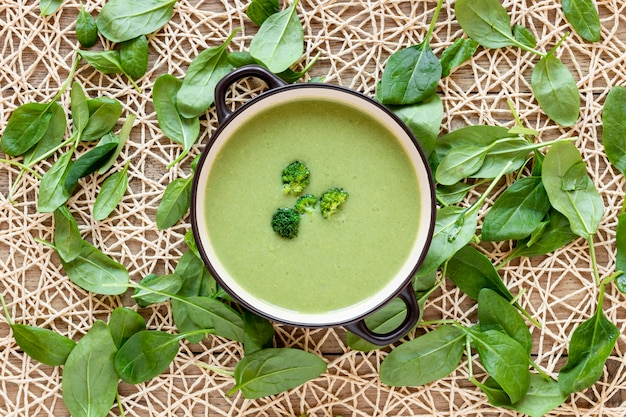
(332, 263)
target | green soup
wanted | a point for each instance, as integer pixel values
(332, 263)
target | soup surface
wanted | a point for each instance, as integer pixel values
(332, 263)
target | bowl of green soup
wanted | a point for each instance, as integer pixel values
(329, 269)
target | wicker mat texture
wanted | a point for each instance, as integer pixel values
(354, 38)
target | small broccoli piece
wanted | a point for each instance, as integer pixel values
(306, 204)
(285, 222)
(295, 178)
(331, 201)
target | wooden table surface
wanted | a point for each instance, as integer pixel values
(354, 38)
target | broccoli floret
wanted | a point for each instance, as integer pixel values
(306, 204)
(331, 201)
(285, 222)
(295, 178)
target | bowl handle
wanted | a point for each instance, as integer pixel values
(412, 317)
(221, 89)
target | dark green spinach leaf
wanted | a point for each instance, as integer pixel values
(111, 193)
(26, 127)
(258, 333)
(169, 284)
(614, 127)
(497, 313)
(51, 139)
(67, 239)
(145, 355)
(103, 116)
(485, 21)
(259, 10)
(124, 323)
(88, 163)
(175, 203)
(461, 50)
(86, 29)
(584, 17)
(123, 20)
(424, 119)
(134, 56)
(52, 191)
(43, 345)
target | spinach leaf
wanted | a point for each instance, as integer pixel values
(240, 58)
(279, 43)
(583, 16)
(424, 119)
(52, 191)
(524, 36)
(454, 228)
(123, 20)
(191, 269)
(209, 313)
(477, 135)
(48, 7)
(145, 355)
(496, 313)
(542, 396)
(411, 75)
(111, 193)
(43, 345)
(124, 323)
(80, 108)
(271, 371)
(614, 127)
(120, 139)
(620, 251)
(259, 10)
(94, 271)
(556, 234)
(88, 163)
(460, 162)
(176, 127)
(86, 29)
(175, 203)
(590, 345)
(517, 212)
(452, 194)
(461, 50)
(583, 206)
(509, 151)
(424, 359)
(51, 139)
(196, 93)
(505, 360)
(258, 333)
(107, 61)
(555, 89)
(134, 56)
(89, 381)
(471, 271)
(485, 21)
(67, 239)
(26, 127)
(170, 284)
(103, 116)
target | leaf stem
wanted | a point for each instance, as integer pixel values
(119, 404)
(539, 370)
(215, 369)
(22, 166)
(433, 22)
(6, 310)
(478, 203)
(67, 81)
(594, 260)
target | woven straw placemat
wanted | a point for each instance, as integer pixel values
(354, 37)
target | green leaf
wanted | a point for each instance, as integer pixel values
(111, 193)
(424, 120)
(279, 43)
(103, 116)
(555, 89)
(124, 323)
(80, 108)
(120, 139)
(517, 212)
(26, 127)
(272, 371)
(43, 345)
(176, 127)
(258, 333)
(175, 203)
(123, 20)
(169, 284)
(583, 207)
(590, 345)
(196, 93)
(620, 251)
(454, 228)
(94, 271)
(209, 313)
(614, 127)
(145, 355)
(410, 76)
(524, 36)
(192, 270)
(88, 163)
(471, 271)
(107, 61)
(48, 7)
(134, 56)
(86, 29)
(496, 313)
(67, 239)
(509, 151)
(52, 191)
(583, 16)
(461, 51)
(485, 21)
(453, 194)
(424, 359)
(505, 360)
(460, 163)
(556, 234)
(89, 379)
(51, 139)
(259, 10)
